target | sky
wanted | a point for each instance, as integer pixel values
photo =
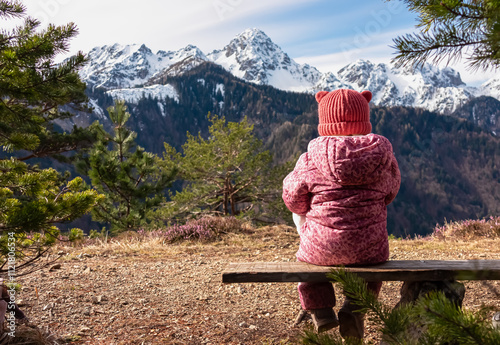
(327, 34)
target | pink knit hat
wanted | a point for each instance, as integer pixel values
(344, 112)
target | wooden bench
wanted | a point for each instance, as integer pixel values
(395, 270)
(419, 276)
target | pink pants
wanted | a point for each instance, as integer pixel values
(322, 295)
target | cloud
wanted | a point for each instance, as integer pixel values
(347, 49)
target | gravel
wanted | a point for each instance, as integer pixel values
(172, 294)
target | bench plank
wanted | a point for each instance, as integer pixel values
(395, 270)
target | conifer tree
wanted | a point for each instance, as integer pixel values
(32, 90)
(133, 181)
(450, 29)
(221, 172)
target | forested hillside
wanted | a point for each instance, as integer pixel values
(448, 164)
(207, 88)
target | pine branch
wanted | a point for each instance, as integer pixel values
(12, 9)
(456, 13)
(449, 28)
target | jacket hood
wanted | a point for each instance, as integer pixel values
(352, 160)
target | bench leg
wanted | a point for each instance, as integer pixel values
(412, 291)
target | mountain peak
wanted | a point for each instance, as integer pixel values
(250, 44)
(254, 57)
(124, 66)
(253, 35)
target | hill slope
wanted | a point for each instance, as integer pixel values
(449, 166)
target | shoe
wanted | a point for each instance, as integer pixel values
(351, 323)
(324, 319)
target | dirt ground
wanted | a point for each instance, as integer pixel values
(133, 292)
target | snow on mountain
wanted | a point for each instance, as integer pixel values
(118, 66)
(427, 87)
(97, 109)
(133, 95)
(181, 61)
(491, 88)
(254, 57)
(133, 71)
(329, 81)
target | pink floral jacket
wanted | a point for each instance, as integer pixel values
(343, 185)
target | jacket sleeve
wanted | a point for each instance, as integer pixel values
(395, 181)
(295, 189)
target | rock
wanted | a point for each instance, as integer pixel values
(252, 327)
(48, 306)
(496, 321)
(87, 270)
(55, 267)
(83, 330)
(96, 299)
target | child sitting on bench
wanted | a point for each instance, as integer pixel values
(339, 191)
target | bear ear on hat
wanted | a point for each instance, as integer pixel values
(367, 95)
(320, 95)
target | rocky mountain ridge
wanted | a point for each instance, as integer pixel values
(132, 71)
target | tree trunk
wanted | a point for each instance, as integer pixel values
(226, 196)
(233, 206)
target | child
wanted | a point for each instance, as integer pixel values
(338, 193)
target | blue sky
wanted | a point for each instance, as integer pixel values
(327, 34)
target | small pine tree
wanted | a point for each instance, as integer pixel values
(220, 173)
(32, 90)
(448, 29)
(133, 181)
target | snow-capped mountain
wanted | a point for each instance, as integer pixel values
(118, 66)
(491, 88)
(132, 71)
(428, 87)
(254, 57)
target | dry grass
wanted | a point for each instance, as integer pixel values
(153, 243)
(469, 229)
(469, 238)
